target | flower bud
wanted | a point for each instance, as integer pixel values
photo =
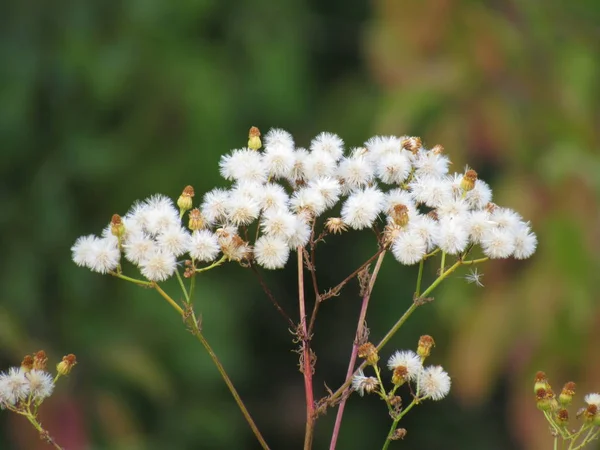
(196, 221)
(185, 202)
(412, 144)
(116, 226)
(468, 181)
(369, 353)
(399, 214)
(424, 348)
(541, 382)
(562, 417)
(39, 360)
(64, 367)
(567, 393)
(400, 375)
(27, 363)
(543, 399)
(399, 433)
(254, 142)
(590, 414)
(335, 225)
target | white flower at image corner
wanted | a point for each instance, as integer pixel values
(362, 384)
(271, 252)
(592, 399)
(13, 386)
(474, 277)
(434, 383)
(41, 384)
(407, 359)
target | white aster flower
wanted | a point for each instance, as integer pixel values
(318, 164)
(174, 240)
(452, 208)
(380, 146)
(431, 191)
(498, 243)
(453, 236)
(408, 359)
(329, 188)
(434, 383)
(278, 156)
(525, 242)
(308, 199)
(271, 252)
(474, 277)
(214, 205)
(13, 386)
(278, 222)
(243, 165)
(478, 223)
(298, 171)
(41, 384)
(241, 208)
(427, 228)
(479, 196)
(273, 197)
(592, 399)
(160, 214)
(431, 164)
(356, 170)
(362, 207)
(159, 266)
(506, 218)
(136, 217)
(105, 255)
(83, 250)
(409, 247)
(329, 143)
(138, 246)
(301, 233)
(204, 246)
(362, 384)
(393, 168)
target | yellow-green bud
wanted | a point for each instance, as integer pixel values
(185, 202)
(116, 226)
(254, 142)
(196, 221)
(468, 180)
(426, 342)
(64, 367)
(567, 393)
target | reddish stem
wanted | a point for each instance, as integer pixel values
(359, 333)
(307, 369)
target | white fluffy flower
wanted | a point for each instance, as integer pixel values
(308, 199)
(105, 255)
(362, 384)
(479, 196)
(138, 246)
(409, 247)
(498, 243)
(379, 146)
(393, 168)
(319, 164)
(408, 359)
(271, 252)
(396, 197)
(214, 205)
(278, 156)
(434, 383)
(160, 214)
(13, 386)
(427, 228)
(506, 218)
(452, 208)
(329, 188)
(159, 266)
(525, 242)
(83, 250)
(356, 170)
(203, 246)
(362, 207)
(41, 384)
(592, 399)
(329, 143)
(278, 222)
(243, 165)
(431, 191)
(478, 223)
(273, 197)
(453, 236)
(298, 171)
(174, 240)
(301, 233)
(241, 208)
(431, 164)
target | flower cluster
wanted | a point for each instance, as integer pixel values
(284, 188)
(555, 410)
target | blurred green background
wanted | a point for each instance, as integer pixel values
(105, 102)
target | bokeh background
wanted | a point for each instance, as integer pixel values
(105, 102)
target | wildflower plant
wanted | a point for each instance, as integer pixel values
(280, 208)
(556, 412)
(23, 389)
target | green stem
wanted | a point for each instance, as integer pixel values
(388, 439)
(43, 433)
(443, 263)
(185, 293)
(131, 280)
(419, 278)
(213, 265)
